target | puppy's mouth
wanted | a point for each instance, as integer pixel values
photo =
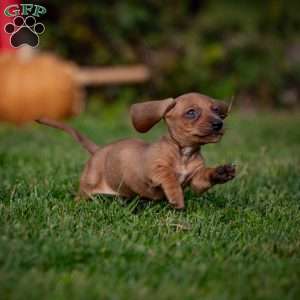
(211, 134)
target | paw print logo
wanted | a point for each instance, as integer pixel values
(24, 31)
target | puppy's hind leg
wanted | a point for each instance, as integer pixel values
(89, 181)
(83, 195)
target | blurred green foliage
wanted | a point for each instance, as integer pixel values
(247, 49)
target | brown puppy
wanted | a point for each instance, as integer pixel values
(162, 169)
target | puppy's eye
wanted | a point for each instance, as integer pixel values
(191, 114)
(215, 109)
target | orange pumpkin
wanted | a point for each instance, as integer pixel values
(40, 85)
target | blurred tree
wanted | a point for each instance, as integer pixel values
(250, 49)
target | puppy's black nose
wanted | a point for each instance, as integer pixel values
(217, 125)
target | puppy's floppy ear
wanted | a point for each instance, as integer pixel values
(146, 114)
(224, 109)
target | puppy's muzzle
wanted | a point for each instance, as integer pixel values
(217, 125)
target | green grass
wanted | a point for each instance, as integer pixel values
(239, 241)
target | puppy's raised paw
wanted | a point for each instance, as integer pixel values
(223, 174)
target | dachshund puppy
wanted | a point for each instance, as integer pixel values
(164, 168)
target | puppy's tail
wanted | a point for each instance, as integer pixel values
(90, 146)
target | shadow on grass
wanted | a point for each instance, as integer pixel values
(135, 205)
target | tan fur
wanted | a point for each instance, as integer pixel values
(164, 168)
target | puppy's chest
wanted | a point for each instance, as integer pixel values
(182, 172)
(185, 168)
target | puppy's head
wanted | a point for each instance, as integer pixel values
(192, 119)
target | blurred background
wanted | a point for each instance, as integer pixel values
(246, 49)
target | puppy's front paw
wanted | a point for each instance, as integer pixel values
(177, 206)
(223, 174)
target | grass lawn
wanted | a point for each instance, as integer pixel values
(239, 241)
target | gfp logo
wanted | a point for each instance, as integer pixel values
(24, 29)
